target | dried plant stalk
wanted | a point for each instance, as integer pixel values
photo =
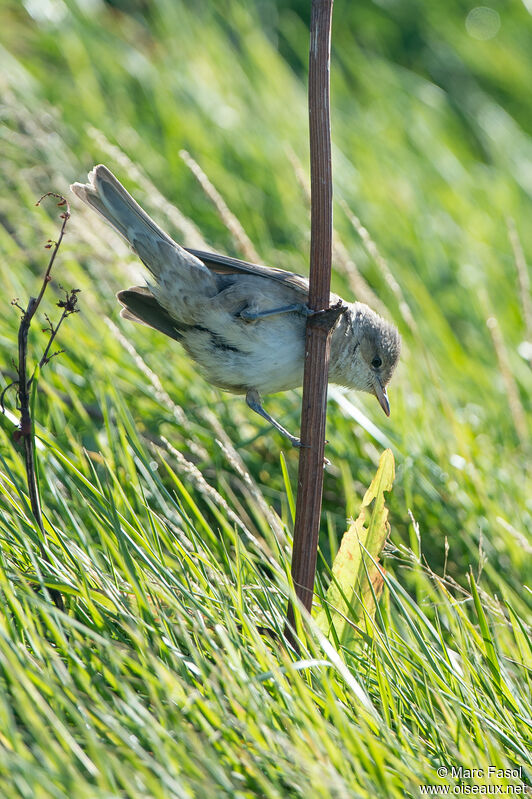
(314, 407)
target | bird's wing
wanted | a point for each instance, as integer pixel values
(141, 306)
(224, 265)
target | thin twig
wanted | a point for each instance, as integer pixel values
(317, 343)
(4, 392)
(54, 246)
(69, 307)
(25, 429)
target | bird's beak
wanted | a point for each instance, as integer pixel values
(380, 393)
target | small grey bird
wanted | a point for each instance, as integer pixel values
(243, 324)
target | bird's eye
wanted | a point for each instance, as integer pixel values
(376, 362)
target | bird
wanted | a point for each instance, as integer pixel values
(243, 324)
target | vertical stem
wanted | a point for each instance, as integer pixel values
(26, 427)
(313, 419)
(26, 432)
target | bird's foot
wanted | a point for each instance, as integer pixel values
(254, 402)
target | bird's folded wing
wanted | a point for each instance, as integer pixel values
(141, 306)
(224, 265)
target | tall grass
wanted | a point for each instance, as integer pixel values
(167, 507)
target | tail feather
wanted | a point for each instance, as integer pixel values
(170, 264)
(109, 198)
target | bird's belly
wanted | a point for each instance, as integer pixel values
(266, 357)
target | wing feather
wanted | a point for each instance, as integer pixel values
(141, 306)
(225, 265)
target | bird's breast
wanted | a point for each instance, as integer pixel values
(266, 355)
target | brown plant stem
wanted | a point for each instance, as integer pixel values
(25, 429)
(314, 406)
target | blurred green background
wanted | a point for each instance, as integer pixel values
(432, 157)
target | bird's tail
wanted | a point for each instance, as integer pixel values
(109, 198)
(165, 259)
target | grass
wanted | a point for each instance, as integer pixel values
(168, 505)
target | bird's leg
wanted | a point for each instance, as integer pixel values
(299, 307)
(329, 315)
(254, 402)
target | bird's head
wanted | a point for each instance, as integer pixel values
(376, 353)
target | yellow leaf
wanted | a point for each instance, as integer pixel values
(357, 579)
